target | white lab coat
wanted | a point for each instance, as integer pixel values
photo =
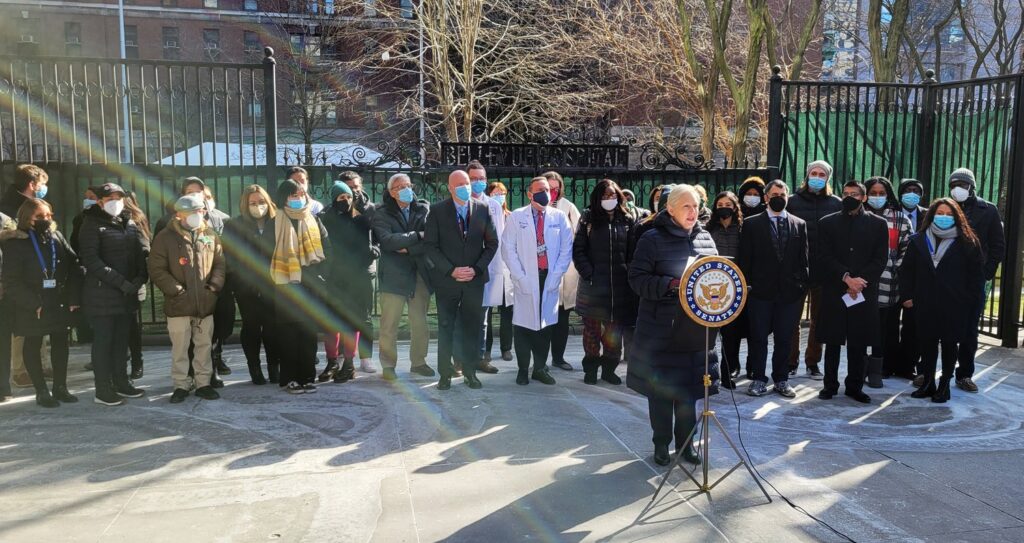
(571, 279)
(498, 290)
(533, 309)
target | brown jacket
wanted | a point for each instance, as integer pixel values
(188, 268)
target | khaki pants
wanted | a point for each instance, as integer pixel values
(199, 332)
(391, 306)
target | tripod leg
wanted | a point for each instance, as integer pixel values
(740, 456)
(672, 466)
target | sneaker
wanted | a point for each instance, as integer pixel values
(757, 388)
(543, 376)
(128, 391)
(792, 372)
(309, 388)
(207, 393)
(814, 373)
(966, 384)
(107, 398)
(366, 366)
(330, 371)
(179, 395)
(137, 373)
(784, 390)
(294, 388)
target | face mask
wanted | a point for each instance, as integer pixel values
(724, 212)
(611, 204)
(877, 202)
(194, 221)
(816, 183)
(297, 204)
(42, 226)
(114, 207)
(406, 195)
(752, 200)
(500, 198)
(542, 198)
(342, 206)
(211, 205)
(87, 203)
(259, 210)
(555, 194)
(462, 193)
(910, 200)
(479, 186)
(850, 203)
(777, 203)
(960, 194)
(41, 193)
(944, 222)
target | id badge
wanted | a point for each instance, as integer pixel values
(49, 283)
(541, 249)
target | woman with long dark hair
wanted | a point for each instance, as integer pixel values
(131, 204)
(601, 253)
(936, 279)
(725, 226)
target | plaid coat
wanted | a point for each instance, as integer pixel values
(899, 238)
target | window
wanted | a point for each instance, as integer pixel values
(73, 39)
(313, 46)
(296, 41)
(251, 43)
(212, 4)
(251, 5)
(172, 48)
(305, 45)
(211, 42)
(131, 41)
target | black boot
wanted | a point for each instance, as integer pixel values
(44, 399)
(608, 365)
(256, 373)
(329, 371)
(661, 456)
(690, 455)
(942, 392)
(874, 364)
(926, 390)
(590, 365)
(60, 393)
(346, 373)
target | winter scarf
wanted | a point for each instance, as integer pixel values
(295, 248)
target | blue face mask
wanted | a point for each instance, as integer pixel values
(910, 200)
(297, 204)
(542, 198)
(87, 203)
(877, 202)
(406, 195)
(944, 222)
(462, 193)
(479, 186)
(500, 198)
(41, 193)
(816, 183)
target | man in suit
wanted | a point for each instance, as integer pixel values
(773, 258)
(461, 241)
(911, 195)
(854, 250)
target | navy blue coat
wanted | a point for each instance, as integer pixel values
(942, 295)
(668, 348)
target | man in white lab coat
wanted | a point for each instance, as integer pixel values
(537, 250)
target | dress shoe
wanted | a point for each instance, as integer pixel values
(966, 384)
(179, 395)
(207, 393)
(215, 382)
(389, 374)
(137, 373)
(543, 376)
(562, 365)
(423, 370)
(258, 378)
(487, 367)
(222, 368)
(61, 394)
(471, 381)
(926, 390)
(942, 391)
(521, 378)
(506, 356)
(661, 456)
(826, 394)
(858, 396)
(690, 455)
(43, 399)
(21, 380)
(444, 383)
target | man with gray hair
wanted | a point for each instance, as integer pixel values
(399, 224)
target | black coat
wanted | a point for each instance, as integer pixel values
(113, 252)
(812, 208)
(858, 245)
(11, 202)
(247, 253)
(941, 295)
(305, 302)
(984, 219)
(768, 278)
(23, 281)
(396, 272)
(447, 249)
(353, 247)
(668, 348)
(727, 240)
(601, 252)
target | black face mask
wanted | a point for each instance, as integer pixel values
(777, 203)
(342, 206)
(42, 226)
(724, 212)
(851, 203)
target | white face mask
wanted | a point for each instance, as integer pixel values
(114, 207)
(258, 211)
(752, 200)
(211, 205)
(194, 221)
(960, 194)
(609, 205)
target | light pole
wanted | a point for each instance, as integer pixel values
(124, 81)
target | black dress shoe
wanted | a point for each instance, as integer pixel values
(215, 382)
(690, 455)
(43, 399)
(471, 381)
(859, 396)
(522, 378)
(207, 393)
(941, 392)
(487, 367)
(137, 373)
(926, 390)
(259, 379)
(179, 395)
(826, 394)
(543, 376)
(444, 383)
(423, 370)
(562, 365)
(661, 456)
(61, 394)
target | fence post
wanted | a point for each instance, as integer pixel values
(270, 116)
(926, 134)
(775, 124)
(1013, 265)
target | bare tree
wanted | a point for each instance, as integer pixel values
(994, 30)
(886, 36)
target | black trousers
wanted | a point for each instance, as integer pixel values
(134, 342)
(778, 319)
(969, 347)
(893, 361)
(257, 331)
(462, 306)
(298, 345)
(662, 410)
(505, 333)
(910, 354)
(223, 321)
(532, 344)
(855, 367)
(33, 357)
(930, 354)
(731, 336)
(110, 349)
(560, 335)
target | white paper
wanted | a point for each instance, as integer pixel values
(850, 301)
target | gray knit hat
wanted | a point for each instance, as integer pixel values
(190, 203)
(819, 164)
(964, 175)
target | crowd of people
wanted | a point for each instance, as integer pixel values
(895, 282)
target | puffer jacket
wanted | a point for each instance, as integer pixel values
(727, 240)
(113, 252)
(24, 278)
(812, 208)
(188, 267)
(601, 252)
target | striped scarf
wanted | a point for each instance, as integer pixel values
(295, 248)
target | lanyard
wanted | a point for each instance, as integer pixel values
(42, 263)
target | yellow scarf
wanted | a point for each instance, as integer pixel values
(293, 249)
